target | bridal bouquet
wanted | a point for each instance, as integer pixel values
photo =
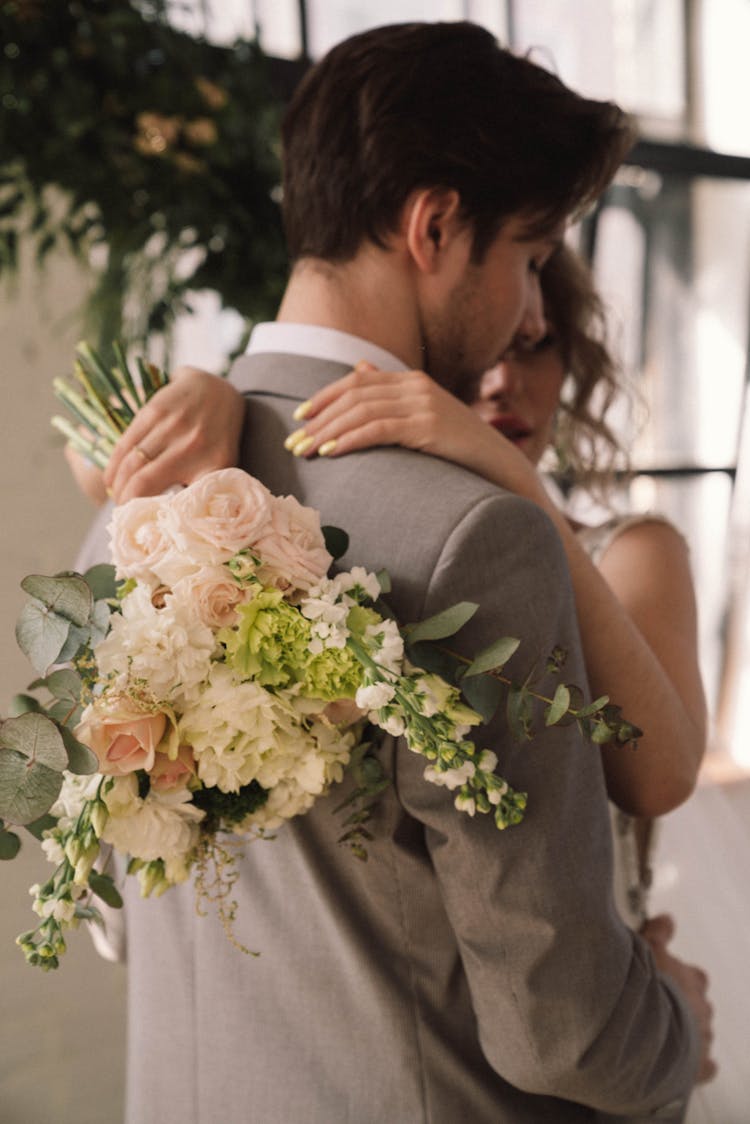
(217, 682)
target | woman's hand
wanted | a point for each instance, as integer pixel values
(190, 427)
(370, 407)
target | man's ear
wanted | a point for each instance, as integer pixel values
(431, 222)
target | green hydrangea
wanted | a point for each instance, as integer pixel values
(270, 643)
(335, 673)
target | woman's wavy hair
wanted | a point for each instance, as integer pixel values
(588, 450)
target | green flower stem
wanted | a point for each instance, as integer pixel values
(84, 411)
(97, 453)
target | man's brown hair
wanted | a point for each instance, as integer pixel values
(423, 105)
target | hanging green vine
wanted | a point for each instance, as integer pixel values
(119, 132)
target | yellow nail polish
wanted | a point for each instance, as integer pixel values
(302, 411)
(302, 446)
(294, 439)
(327, 447)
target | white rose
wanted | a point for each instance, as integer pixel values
(214, 595)
(218, 515)
(292, 547)
(138, 538)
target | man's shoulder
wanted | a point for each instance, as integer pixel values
(447, 492)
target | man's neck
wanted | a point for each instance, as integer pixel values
(370, 297)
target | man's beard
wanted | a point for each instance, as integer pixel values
(450, 368)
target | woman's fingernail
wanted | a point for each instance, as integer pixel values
(302, 446)
(302, 411)
(327, 447)
(294, 439)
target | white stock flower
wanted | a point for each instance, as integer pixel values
(487, 761)
(53, 850)
(358, 577)
(392, 722)
(450, 778)
(75, 791)
(375, 695)
(386, 645)
(170, 648)
(466, 803)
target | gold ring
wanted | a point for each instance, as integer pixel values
(142, 453)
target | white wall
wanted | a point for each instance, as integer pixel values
(62, 1056)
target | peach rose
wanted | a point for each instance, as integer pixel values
(138, 538)
(122, 734)
(218, 515)
(292, 548)
(169, 774)
(214, 594)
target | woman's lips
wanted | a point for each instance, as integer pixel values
(511, 426)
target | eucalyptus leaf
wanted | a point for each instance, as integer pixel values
(444, 624)
(41, 634)
(66, 594)
(65, 713)
(559, 705)
(99, 622)
(592, 707)
(77, 638)
(64, 684)
(519, 709)
(10, 844)
(38, 827)
(101, 581)
(493, 657)
(484, 693)
(336, 540)
(384, 580)
(27, 789)
(104, 888)
(24, 704)
(35, 737)
(435, 660)
(81, 760)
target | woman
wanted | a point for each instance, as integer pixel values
(634, 593)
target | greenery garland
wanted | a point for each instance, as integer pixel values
(119, 132)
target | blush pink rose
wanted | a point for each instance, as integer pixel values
(167, 774)
(138, 539)
(122, 735)
(292, 548)
(214, 594)
(218, 515)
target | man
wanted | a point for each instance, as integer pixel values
(461, 973)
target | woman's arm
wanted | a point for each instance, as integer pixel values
(637, 614)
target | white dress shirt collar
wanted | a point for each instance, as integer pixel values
(320, 343)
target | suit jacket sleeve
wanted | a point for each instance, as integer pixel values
(567, 999)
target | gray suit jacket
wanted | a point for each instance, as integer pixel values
(461, 973)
